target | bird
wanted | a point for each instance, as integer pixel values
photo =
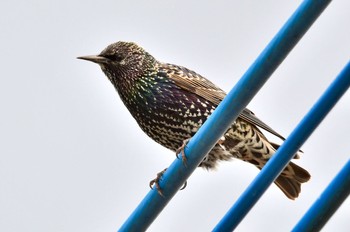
(170, 103)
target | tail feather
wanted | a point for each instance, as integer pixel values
(290, 187)
(300, 174)
(291, 179)
(246, 142)
(290, 184)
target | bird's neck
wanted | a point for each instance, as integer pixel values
(137, 89)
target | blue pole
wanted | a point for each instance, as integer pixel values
(286, 152)
(326, 205)
(228, 110)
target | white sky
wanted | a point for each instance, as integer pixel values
(73, 159)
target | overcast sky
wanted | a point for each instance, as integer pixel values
(73, 159)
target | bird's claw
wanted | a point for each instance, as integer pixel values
(156, 180)
(181, 151)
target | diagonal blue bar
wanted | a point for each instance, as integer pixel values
(286, 152)
(326, 205)
(228, 110)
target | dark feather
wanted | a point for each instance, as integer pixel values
(195, 83)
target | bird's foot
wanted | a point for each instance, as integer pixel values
(181, 151)
(156, 180)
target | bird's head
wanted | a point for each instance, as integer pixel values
(122, 61)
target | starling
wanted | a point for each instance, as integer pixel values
(170, 103)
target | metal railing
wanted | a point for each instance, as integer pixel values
(286, 152)
(329, 201)
(228, 110)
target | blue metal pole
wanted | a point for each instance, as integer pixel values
(286, 152)
(228, 110)
(326, 205)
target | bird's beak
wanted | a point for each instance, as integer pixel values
(96, 59)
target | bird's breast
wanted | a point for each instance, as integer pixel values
(169, 115)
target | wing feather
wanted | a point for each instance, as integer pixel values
(195, 83)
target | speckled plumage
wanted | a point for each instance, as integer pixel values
(171, 102)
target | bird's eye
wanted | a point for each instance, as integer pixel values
(114, 57)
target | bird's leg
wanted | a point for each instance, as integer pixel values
(156, 182)
(181, 151)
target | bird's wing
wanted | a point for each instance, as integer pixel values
(251, 118)
(195, 83)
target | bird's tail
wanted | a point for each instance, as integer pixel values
(291, 178)
(291, 185)
(246, 142)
